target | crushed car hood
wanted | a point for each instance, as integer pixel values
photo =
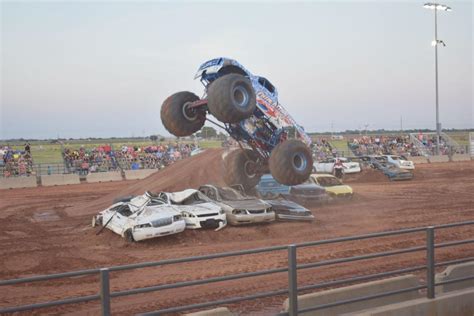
(289, 210)
(339, 189)
(252, 204)
(199, 209)
(152, 213)
(178, 197)
(281, 204)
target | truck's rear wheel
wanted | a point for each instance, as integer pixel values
(178, 118)
(231, 98)
(291, 162)
(242, 167)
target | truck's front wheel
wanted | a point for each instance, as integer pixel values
(291, 162)
(231, 98)
(178, 117)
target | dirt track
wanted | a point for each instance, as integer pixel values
(47, 230)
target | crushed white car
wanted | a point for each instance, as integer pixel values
(142, 217)
(327, 165)
(197, 209)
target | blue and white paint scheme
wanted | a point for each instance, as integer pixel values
(270, 123)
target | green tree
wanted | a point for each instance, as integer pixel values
(207, 132)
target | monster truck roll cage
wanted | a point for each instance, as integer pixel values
(259, 144)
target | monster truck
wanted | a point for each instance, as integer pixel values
(248, 108)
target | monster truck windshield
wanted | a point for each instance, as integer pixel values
(267, 84)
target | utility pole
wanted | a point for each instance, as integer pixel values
(436, 7)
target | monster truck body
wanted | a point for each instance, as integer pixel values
(270, 122)
(248, 107)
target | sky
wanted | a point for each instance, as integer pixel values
(103, 69)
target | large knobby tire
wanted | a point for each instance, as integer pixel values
(231, 98)
(291, 162)
(242, 167)
(178, 118)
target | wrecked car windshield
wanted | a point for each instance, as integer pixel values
(328, 181)
(230, 194)
(192, 199)
(156, 201)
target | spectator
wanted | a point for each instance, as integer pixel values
(15, 162)
(28, 148)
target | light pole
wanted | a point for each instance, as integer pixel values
(436, 7)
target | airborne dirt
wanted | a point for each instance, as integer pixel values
(47, 230)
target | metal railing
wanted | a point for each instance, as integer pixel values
(43, 169)
(105, 294)
(419, 145)
(450, 145)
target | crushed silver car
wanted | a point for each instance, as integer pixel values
(240, 209)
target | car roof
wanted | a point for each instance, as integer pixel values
(159, 210)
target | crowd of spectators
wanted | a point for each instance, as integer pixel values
(15, 162)
(429, 141)
(152, 157)
(322, 149)
(383, 145)
(84, 160)
(106, 158)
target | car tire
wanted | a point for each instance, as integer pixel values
(242, 167)
(177, 118)
(129, 236)
(231, 98)
(291, 162)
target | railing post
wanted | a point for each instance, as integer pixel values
(105, 291)
(430, 263)
(292, 282)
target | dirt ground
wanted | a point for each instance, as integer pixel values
(47, 230)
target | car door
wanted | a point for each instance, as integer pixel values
(321, 165)
(329, 165)
(119, 219)
(109, 215)
(397, 161)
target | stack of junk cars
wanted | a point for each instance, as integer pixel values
(153, 215)
(159, 214)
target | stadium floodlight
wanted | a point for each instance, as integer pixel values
(437, 6)
(435, 42)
